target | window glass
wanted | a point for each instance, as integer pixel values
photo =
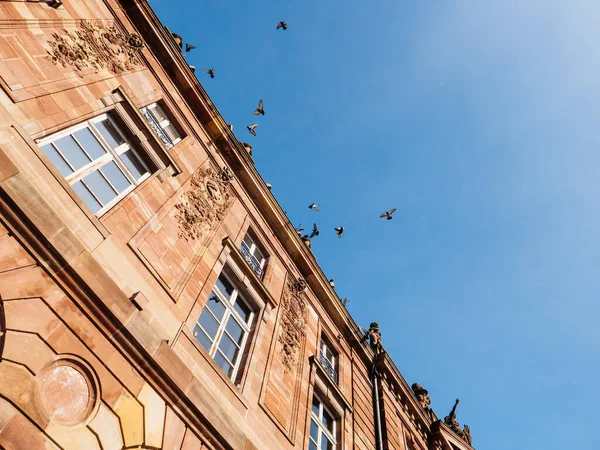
(216, 306)
(242, 309)
(327, 420)
(225, 287)
(314, 430)
(72, 152)
(326, 444)
(223, 364)
(158, 113)
(86, 196)
(208, 324)
(57, 160)
(228, 347)
(100, 187)
(110, 133)
(235, 330)
(226, 335)
(322, 427)
(133, 163)
(115, 176)
(315, 406)
(90, 164)
(89, 142)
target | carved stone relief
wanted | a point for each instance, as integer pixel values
(97, 46)
(205, 203)
(293, 322)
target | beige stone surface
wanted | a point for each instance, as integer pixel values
(154, 416)
(131, 414)
(108, 428)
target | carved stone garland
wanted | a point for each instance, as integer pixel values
(94, 45)
(293, 322)
(205, 203)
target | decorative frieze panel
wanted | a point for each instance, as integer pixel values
(293, 322)
(205, 204)
(172, 242)
(97, 46)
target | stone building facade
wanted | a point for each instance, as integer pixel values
(153, 294)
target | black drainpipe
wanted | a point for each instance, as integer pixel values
(377, 408)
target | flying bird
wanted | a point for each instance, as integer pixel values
(251, 129)
(260, 109)
(339, 231)
(189, 47)
(282, 24)
(315, 231)
(388, 214)
(313, 206)
(345, 301)
(299, 230)
(211, 72)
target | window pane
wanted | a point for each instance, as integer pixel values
(235, 330)
(225, 287)
(209, 324)
(315, 406)
(90, 143)
(326, 444)
(228, 347)
(133, 163)
(57, 160)
(87, 198)
(110, 133)
(115, 176)
(216, 306)
(327, 421)
(314, 431)
(172, 132)
(72, 152)
(202, 338)
(312, 446)
(158, 113)
(100, 187)
(223, 364)
(248, 241)
(258, 255)
(242, 308)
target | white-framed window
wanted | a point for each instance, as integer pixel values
(254, 255)
(328, 360)
(97, 161)
(322, 427)
(160, 123)
(224, 325)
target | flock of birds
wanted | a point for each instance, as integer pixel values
(260, 111)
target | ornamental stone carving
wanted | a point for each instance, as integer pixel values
(293, 322)
(204, 205)
(94, 45)
(452, 423)
(424, 400)
(373, 335)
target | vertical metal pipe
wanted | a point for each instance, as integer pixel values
(378, 431)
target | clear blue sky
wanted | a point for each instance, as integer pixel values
(480, 122)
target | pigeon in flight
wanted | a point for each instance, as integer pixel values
(315, 231)
(282, 24)
(251, 129)
(388, 214)
(189, 47)
(345, 301)
(211, 72)
(299, 230)
(339, 231)
(260, 109)
(313, 206)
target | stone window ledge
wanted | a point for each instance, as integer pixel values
(328, 389)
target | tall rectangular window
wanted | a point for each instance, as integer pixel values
(224, 325)
(254, 255)
(97, 161)
(328, 360)
(161, 124)
(322, 427)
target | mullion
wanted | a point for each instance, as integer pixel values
(81, 145)
(82, 181)
(220, 332)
